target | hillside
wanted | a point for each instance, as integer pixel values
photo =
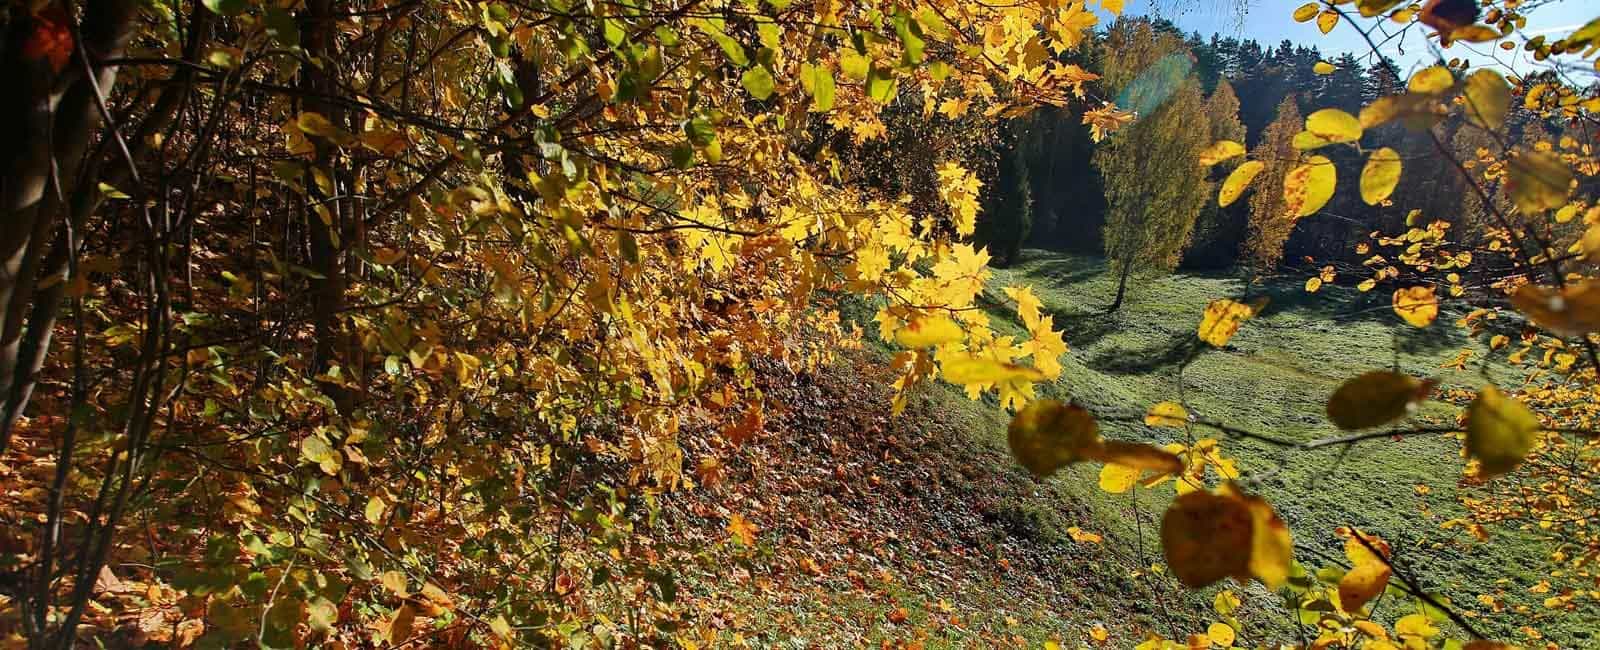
(881, 529)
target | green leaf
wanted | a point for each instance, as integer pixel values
(1488, 98)
(818, 82)
(613, 31)
(730, 47)
(758, 82)
(700, 131)
(1500, 432)
(226, 7)
(881, 85)
(375, 509)
(910, 34)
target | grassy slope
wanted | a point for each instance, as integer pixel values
(927, 515)
(1274, 378)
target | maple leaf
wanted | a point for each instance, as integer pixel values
(1071, 22)
(741, 529)
(1104, 120)
(1027, 304)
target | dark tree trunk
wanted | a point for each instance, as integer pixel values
(49, 116)
(1122, 288)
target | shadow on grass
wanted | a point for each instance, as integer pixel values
(1082, 329)
(1061, 271)
(1178, 348)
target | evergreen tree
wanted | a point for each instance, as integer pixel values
(1008, 217)
(1219, 230)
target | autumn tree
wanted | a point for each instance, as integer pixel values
(1270, 218)
(388, 304)
(1153, 194)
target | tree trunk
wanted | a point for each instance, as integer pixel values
(49, 115)
(324, 213)
(1122, 288)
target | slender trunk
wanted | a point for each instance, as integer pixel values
(325, 216)
(1122, 288)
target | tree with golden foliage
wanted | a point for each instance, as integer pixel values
(1270, 218)
(1154, 191)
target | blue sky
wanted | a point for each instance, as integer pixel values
(1269, 21)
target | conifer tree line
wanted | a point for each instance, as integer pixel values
(1138, 199)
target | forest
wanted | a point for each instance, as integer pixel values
(755, 323)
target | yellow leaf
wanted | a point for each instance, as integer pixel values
(1082, 536)
(1219, 151)
(1431, 81)
(1205, 537)
(315, 124)
(1374, 398)
(1327, 21)
(1028, 304)
(741, 529)
(374, 510)
(1323, 67)
(1370, 8)
(1334, 125)
(1475, 34)
(1048, 435)
(1309, 186)
(1271, 549)
(1226, 602)
(1415, 625)
(501, 627)
(1380, 175)
(1416, 305)
(1221, 634)
(1488, 98)
(1359, 554)
(1208, 536)
(928, 331)
(1500, 432)
(966, 369)
(1116, 479)
(1362, 584)
(1238, 181)
(395, 582)
(1570, 312)
(1137, 456)
(1222, 319)
(1307, 11)
(1167, 414)
(1539, 181)
(1306, 141)
(1112, 6)
(1313, 284)
(959, 190)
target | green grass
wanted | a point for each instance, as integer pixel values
(1274, 378)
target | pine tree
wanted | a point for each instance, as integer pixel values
(1270, 220)
(1008, 218)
